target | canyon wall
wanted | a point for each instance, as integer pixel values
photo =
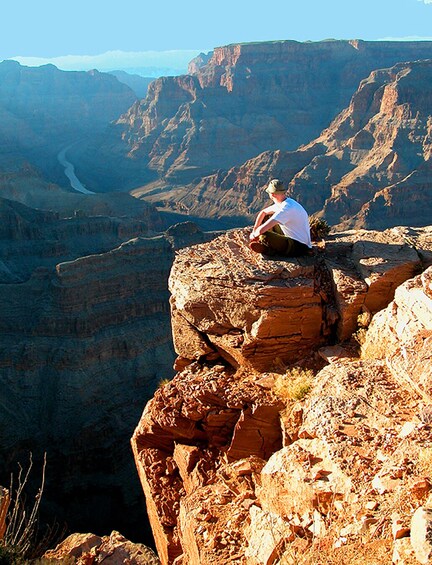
(370, 168)
(85, 335)
(240, 466)
(43, 109)
(243, 100)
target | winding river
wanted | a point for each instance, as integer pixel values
(69, 171)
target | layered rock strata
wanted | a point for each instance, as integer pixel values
(370, 168)
(85, 334)
(244, 100)
(252, 310)
(234, 469)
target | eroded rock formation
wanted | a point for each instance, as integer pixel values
(251, 310)
(235, 471)
(370, 168)
(244, 100)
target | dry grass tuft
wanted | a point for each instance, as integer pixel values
(360, 336)
(24, 541)
(424, 463)
(163, 382)
(295, 384)
(364, 319)
(319, 228)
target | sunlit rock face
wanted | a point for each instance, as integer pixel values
(370, 168)
(235, 471)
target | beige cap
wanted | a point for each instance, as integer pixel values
(275, 185)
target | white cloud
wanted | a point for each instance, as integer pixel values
(117, 60)
(426, 1)
(407, 37)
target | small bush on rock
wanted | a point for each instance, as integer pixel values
(319, 228)
(295, 384)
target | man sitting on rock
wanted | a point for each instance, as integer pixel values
(287, 230)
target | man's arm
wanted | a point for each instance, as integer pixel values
(259, 221)
(262, 228)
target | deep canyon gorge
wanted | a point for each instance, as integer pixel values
(101, 293)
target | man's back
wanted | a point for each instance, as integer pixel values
(293, 220)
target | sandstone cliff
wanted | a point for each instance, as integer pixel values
(239, 468)
(246, 99)
(85, 334)
(370, 168)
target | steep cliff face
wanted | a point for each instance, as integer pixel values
(369, 168)
(85, 334)
(405, 329)
(377, 153)
(237, 468)
(246, 99)
(31, 238)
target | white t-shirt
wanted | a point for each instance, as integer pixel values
(293, 220)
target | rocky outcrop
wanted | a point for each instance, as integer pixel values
(114, 549)
(405, 329)
(252, 310)
(238, 469)
(244, 100)
(182, 446)
(85, 336)
(198, 62)
(370, 168)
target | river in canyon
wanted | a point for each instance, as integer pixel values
(69, 170)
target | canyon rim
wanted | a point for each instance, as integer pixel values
(232, 468)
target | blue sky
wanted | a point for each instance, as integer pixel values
(53, 28)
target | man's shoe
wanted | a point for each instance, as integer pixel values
(258, 247)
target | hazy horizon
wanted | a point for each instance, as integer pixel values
(146, 63)
(48, 30)
(149, 63)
